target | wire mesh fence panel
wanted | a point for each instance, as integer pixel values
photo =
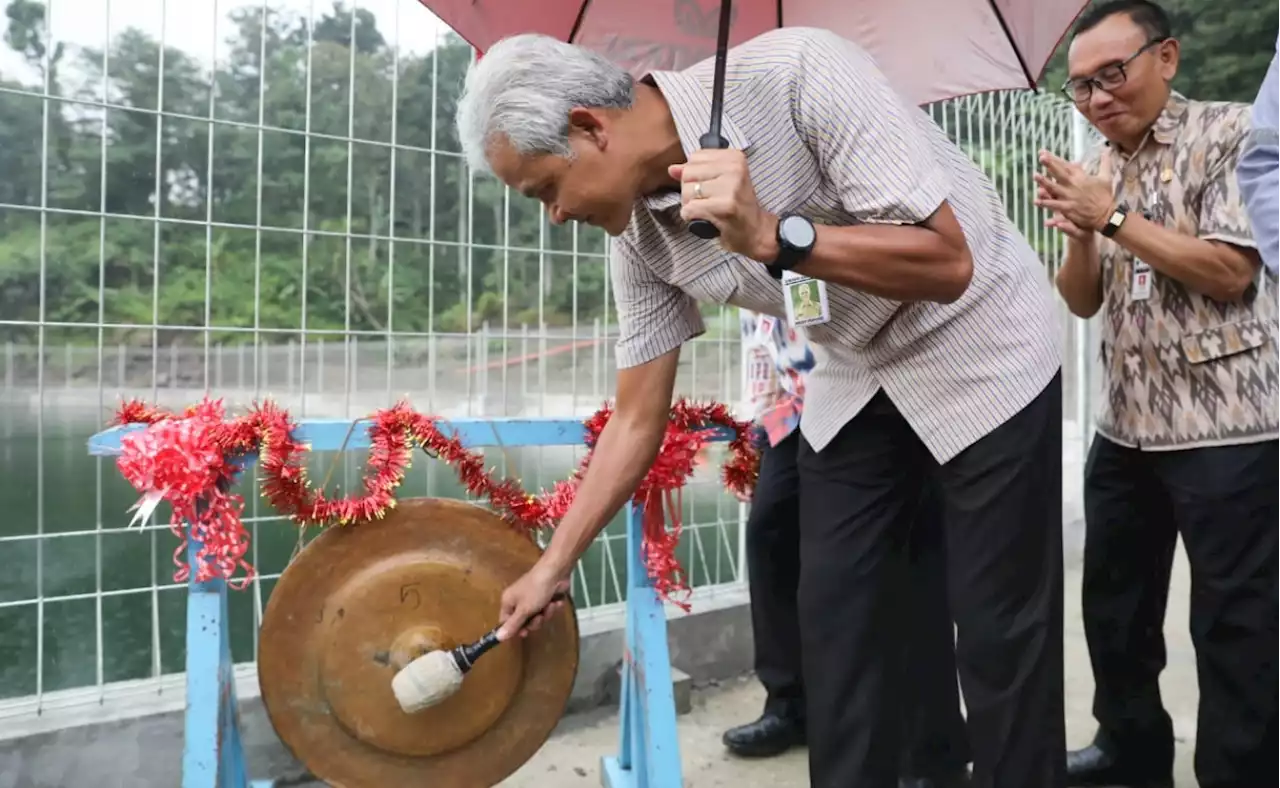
(267, 200)
(1004, 133)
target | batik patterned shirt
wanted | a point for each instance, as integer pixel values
(1179, 369)
(778, 359)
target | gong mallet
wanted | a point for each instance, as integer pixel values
(437, 675)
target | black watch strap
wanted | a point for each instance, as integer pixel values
(785, 261)
(1115, 220)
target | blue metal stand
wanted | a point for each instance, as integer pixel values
(213, 754)
(648, 747)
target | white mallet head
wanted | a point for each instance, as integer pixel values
(426, 681)
(436, 675)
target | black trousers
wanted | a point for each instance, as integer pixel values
(935, 742)
(1002, 515)
(1223, 501)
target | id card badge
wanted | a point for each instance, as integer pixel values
(1140, 290)
(806, 300)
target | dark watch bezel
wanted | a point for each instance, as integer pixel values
(790, 254)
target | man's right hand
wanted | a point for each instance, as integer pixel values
(529, 600)
(1069, 228)
(1064, 225)
(623, 455)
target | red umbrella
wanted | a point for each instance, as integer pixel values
(929, 49)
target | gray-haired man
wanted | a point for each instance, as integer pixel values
(934, 338)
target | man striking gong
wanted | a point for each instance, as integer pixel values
(936, 359)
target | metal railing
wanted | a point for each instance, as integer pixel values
(265, 199)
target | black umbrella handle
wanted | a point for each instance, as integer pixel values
(701, 227)
(713, 139)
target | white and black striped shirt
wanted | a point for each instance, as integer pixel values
(826, 136)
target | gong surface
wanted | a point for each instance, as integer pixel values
(362, 601)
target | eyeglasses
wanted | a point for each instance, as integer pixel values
(1108, 78)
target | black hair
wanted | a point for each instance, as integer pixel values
(1153, 19)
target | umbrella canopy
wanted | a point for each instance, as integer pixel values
(930, 49)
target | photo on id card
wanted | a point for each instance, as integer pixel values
(806, 300)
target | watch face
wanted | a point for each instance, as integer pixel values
(797, 232)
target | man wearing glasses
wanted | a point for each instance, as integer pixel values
(1186, 443)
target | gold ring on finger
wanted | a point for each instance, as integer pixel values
(697, 191)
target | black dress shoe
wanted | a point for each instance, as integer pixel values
(770, 735)
(958, 779)
(1094, 767)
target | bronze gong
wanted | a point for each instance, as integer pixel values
(360, 602)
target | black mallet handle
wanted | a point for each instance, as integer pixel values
(465, 656)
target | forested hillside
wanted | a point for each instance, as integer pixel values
(213, 256)
(1226, 46)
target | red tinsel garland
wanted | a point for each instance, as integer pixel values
(190, 459)
(687, 432)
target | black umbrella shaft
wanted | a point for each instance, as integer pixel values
(712, 139)
(717, 85)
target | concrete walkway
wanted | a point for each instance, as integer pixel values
(571, 758)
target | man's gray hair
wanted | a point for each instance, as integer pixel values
(523, 90)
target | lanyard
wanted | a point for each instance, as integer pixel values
(1164, 175)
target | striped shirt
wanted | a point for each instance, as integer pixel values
(827, 137)
(777, 360)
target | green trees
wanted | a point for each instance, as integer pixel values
(378, 162)
(1226, 47)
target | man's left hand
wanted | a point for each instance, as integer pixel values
(715, 185)
(1082, 199)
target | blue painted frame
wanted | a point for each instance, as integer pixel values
(648, 749)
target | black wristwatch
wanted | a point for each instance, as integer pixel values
(796, 236)
(1117, 218)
